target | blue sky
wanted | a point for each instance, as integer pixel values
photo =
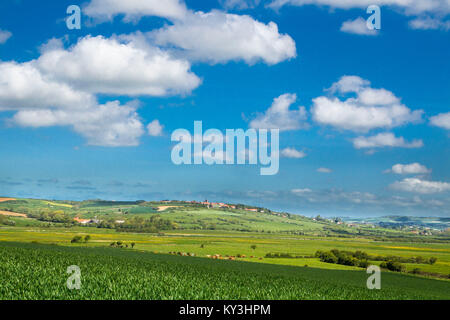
(75, 104)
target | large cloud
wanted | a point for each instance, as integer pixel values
(218, 37)
(22, 86)
(41, 102)
(279, 116)
(110, 66)
(369, 109)
(135, 9)
(59, 88)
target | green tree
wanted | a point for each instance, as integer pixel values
(76, 239)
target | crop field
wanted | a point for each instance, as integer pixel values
(212, 254)
(36, 271)
(256, 245)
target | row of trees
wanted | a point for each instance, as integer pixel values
(361, 259)
(343, 257)
(153, 224)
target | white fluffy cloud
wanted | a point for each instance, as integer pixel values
(441, 120)
(383, 140)
(413, 168)
(135, 9)
(292, 153)
(59, 88)
(369, 109)
(109, 66)
(110, 125)
(155, 129)
(358, 26)
(279, 116)
(218, 37)
(22, 86)
(416, 185)
(324, 170)
(4, 36)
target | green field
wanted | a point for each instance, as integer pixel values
(33, 271)
(35, 254)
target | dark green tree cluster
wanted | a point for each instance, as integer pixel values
(152, 225)
(347, 258)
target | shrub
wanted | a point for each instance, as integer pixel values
(392, 266)
(76, 239)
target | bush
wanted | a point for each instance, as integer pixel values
(76, 239)
(393, 266)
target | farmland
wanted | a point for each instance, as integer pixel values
(120, 274)
(273, 255)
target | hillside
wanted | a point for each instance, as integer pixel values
(142, 216)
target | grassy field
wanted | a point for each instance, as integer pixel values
(204, 243)
(34, 255)
(36, 271)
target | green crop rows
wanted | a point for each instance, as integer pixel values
(35, 271)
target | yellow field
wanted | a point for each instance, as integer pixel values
(12, 214)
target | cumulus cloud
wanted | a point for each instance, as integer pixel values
(218, 37)
(110, 66)
(279, 115)
(413, 168)
(39, 100)
(358, 26)
(417, 185)
(387, 139)
(441, 120)
(135, 9)
(4, 36)
(155, 129)
(22, 86)
(110, 125)
(292, 153)
(368, 109)
(324, 170)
